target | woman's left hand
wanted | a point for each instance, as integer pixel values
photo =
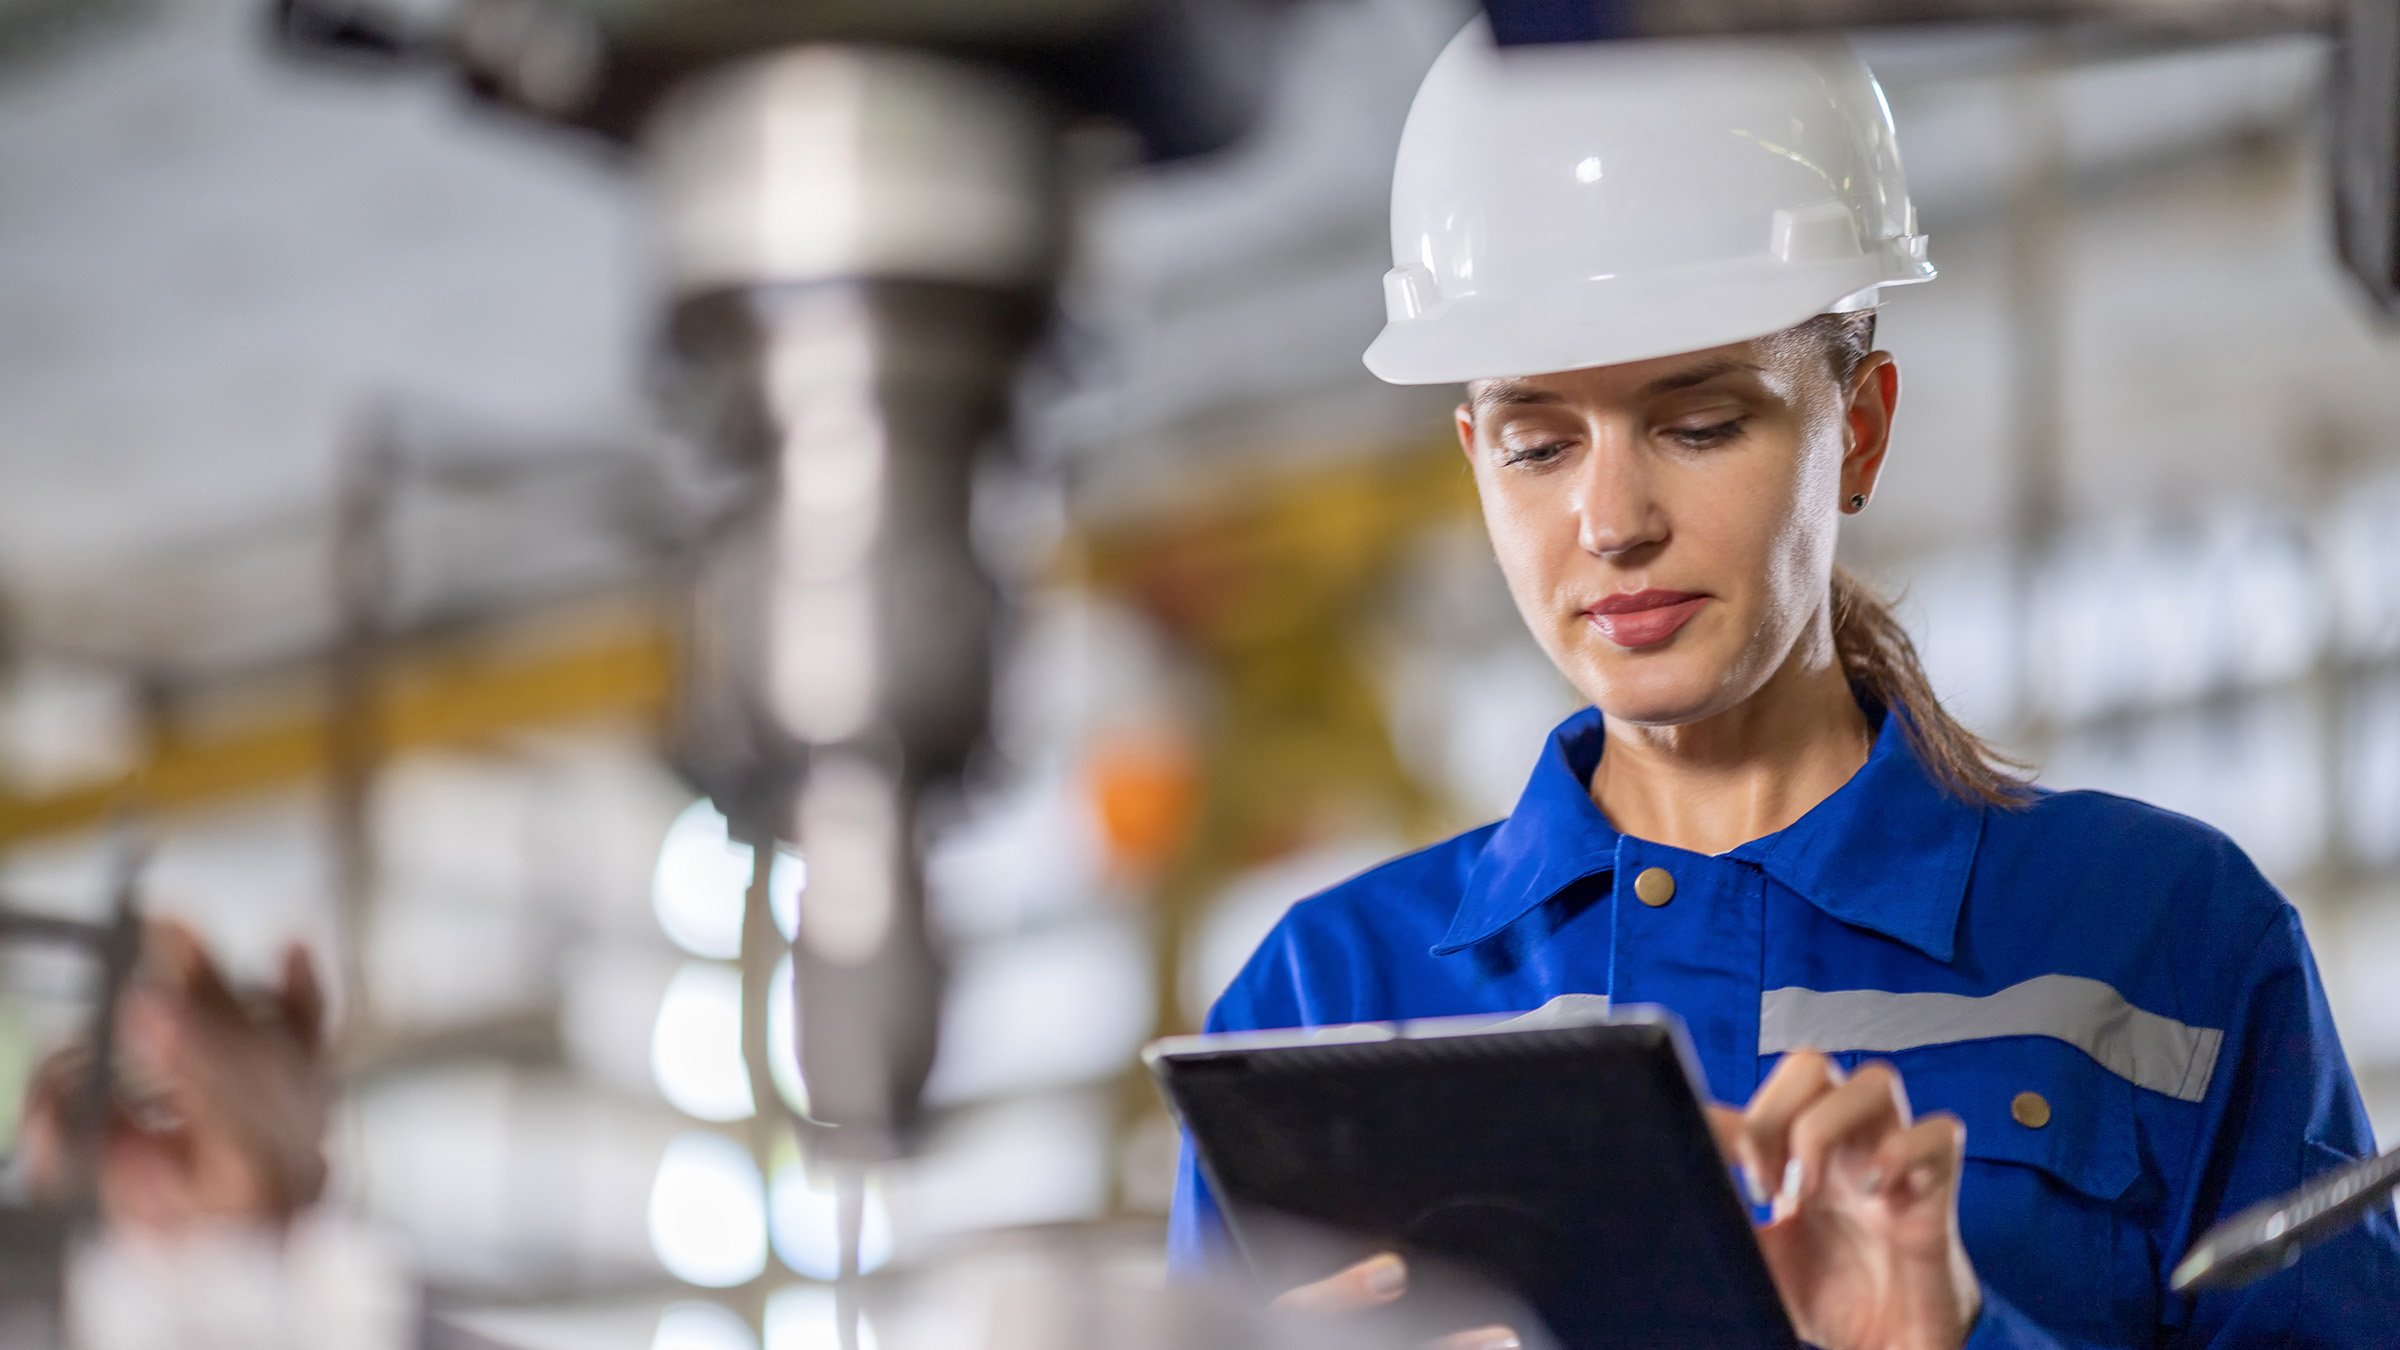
(1864, 1245)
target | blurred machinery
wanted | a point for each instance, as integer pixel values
(864, 208)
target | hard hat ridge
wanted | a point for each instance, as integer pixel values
(1584, 205)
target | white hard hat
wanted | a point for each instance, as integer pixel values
(1586, 204)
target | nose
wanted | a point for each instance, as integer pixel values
(1616, 507)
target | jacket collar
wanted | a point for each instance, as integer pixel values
(1889, 851)
(1554, 838)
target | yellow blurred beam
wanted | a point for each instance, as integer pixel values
(447, 697)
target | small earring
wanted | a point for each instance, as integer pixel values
(1858, 501)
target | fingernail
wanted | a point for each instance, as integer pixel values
(1871, 1182)
(1386, 1274)
(1755, 1188)
(1920, 1179)
(1499, 1338)
(1793, 1175)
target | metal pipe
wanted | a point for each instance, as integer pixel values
(362, 566)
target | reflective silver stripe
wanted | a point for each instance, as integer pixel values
(1566, 1010)
(2151, 1051)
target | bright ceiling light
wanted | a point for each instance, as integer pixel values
(708, 1213)
(702, 877)
(696, 1047)
(803, 1216)
(802, 1318)
(701, 1326)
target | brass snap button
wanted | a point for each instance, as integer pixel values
(1654, 887)
(2030, 1110)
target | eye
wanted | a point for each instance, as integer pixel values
(1533, 455)
(1704, 437)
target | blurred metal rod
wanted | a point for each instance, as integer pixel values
(1538, 21)
(362, 566)
(117, 948)
(21, 926)
(35, 1238)
(2273, 1233)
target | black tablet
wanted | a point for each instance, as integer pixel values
(1564, 1156)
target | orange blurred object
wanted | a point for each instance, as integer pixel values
(1145, 787)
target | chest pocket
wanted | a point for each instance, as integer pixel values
(2032, 1103)
(2054, 1201)
(2044, 1072)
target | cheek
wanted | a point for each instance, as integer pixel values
(1800, 561)
(1801, 564)
(1763, 532)
(1521, 536)
(1526, 542)
(1741, 527)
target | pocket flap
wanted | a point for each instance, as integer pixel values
(2032, 1102)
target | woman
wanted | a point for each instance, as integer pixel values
(2004, 1052)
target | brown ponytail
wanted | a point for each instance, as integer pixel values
(1882, 665)
(1875, 650)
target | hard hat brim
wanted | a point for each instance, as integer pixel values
(1612, 320)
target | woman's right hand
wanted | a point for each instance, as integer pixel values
(1374, 1282)
(230, 1126)
(1864, 1246)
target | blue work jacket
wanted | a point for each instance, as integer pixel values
(2121, 1009)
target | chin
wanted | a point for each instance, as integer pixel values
(1655, 689)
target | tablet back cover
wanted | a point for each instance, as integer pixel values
(1570, 1165)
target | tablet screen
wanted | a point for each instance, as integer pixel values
(1570, 1164)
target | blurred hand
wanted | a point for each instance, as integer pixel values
(1864, 1245)
(1377, 1281)
(227, 1120)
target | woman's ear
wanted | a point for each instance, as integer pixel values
(1464, 420)
(1869, 402)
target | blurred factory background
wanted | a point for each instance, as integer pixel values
(338, 543)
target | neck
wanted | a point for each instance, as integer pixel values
(1710, 786)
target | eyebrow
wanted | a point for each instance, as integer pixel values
(1519, 394)
(1510, 394)
(1697, 375)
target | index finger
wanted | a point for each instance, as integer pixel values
(1725, 1125)
(1801, 1078)
(1872, 1104)
(1371, 1283)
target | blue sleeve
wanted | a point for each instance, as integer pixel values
(2001, 1327)
(1264, 996)
(2284, 1109)
(1196, 1238)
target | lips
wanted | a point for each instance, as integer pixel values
(1644, 618)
